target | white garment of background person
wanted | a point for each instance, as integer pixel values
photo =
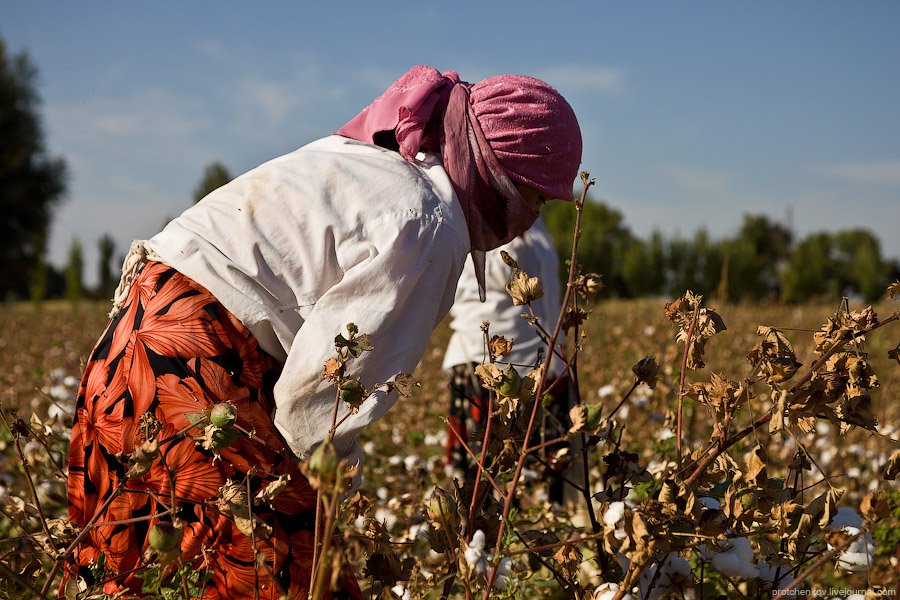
(535, 254)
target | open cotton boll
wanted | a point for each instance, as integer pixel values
(607, 591)
(733, 557)
(614, 513)
(845, 517)
(475, 555)
(504, 579)
(773, 578)
(732, 565)
(402, 592)
(709, 503)
(859, 554)
(674, 575)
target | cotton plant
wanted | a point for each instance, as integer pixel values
(669, 576)
(857, 556)
(479, 561)
(732, 557)
(773, 578)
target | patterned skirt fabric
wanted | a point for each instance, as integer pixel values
(171, 351)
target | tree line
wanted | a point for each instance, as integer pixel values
(762, 261)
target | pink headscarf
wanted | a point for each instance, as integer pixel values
(503, 129)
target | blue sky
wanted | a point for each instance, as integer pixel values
(693, 113)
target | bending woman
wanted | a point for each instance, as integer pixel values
(240, 299)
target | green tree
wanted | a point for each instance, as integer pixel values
(39, 279)
(754, 258)
(694, 264)
(106, 282)
(860, 267)
(31, 182)
(604, 241)
(810, 270)
(644, 267)
(215, 175)
(74, 273)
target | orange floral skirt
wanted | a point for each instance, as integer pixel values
(173, 350)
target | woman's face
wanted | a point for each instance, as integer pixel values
(533, 197)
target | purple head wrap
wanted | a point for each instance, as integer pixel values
(504, 129)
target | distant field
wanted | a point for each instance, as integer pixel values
(42, 352)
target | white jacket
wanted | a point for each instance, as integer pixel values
(336, 232)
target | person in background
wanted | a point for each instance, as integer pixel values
(534, 252)
(239, 300)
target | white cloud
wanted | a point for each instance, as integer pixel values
(212, 49)
(143, 114)
(584, 78)
(700, 181)
(874, 172)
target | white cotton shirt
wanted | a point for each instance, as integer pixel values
(336, 232)
(534, 253)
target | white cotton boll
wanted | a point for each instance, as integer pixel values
(382, 493)
(665, 434)
(854, 562)
(386, 517)
(369, 447)
(70, 381)
(411, 462)
(623, 412)
(733, 557)
(475, 555)
(858, 555)
(709, 503)
(641, 397)
(397, 437)
(529, 475)
(59, 392)
(732, 565)
(56, 410)
(826, 456)
(402, 592)
(417, 531)
(845, 517)
(607, 390)
(395, 460)
(854, 472)
(58, 374)
(503, 580)
(607, 591)
(675, 575)
(856, 449)
(614, 513)
(773, 578)
(741, 547)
